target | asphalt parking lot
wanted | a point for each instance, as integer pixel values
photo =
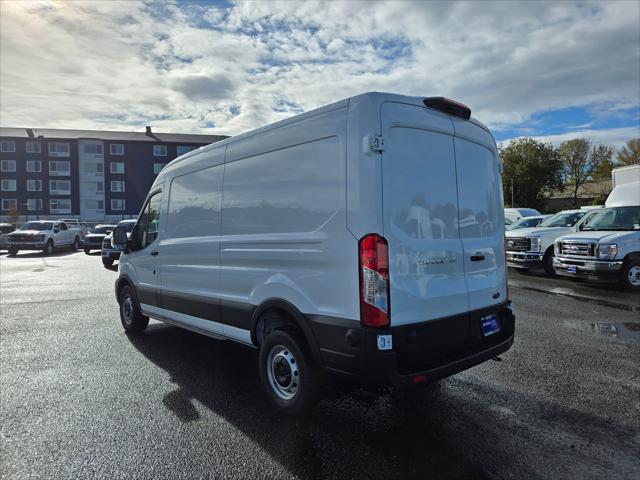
(81, 399)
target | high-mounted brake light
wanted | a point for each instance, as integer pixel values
(374, 281)
(448, 106)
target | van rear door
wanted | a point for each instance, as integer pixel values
(480, 212)
(420, 210)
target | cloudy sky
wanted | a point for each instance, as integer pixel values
(553, 70)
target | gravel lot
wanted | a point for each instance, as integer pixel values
(80, 399)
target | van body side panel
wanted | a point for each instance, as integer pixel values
(284, 229)
(426, 266)
(190, 243)
(481, 215)
(364, 169)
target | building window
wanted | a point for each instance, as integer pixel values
(34, 147)
(159, 150)
(157, 167)
(9, 204)
(8, 146)
(34, 166)
(60, 187)
(94, 204)
(99, 187)
(116, 149)
(117, 185)
(182, 149)
(95, 148)
(60, 205)
(34, 185)
(59, 149)
(117, 204)
(8, 185)
(59, 168)
(93, 167)
(34, 204)
(117, 167)
(8, 166)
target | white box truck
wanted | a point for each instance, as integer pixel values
(362, 239)
(608, 248)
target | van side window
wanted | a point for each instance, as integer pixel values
(149, 224)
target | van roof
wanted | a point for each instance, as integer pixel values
(373, 97)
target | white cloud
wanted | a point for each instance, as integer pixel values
(609, 136)
(126, 64)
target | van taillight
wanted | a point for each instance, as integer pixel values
(374, 281)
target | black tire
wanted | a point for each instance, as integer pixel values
(133, 321)
(547, 263)
(87, 251)
(287, 368)
(13, 252)
(75, 245)
(107, 262)
(48, 248)
(630, 275)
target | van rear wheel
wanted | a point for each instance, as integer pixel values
(288, 373)
(130, 316)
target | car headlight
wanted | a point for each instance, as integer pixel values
(535, 244)
(607, 251)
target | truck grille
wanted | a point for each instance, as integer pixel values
(23, 238)
(518, 244)
(582, 249)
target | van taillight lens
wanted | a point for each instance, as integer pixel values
(374, 281)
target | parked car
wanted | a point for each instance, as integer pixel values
(110, 254)
(43, 235)
(296, 258)
(93, 240)
(73, 223)
(514, 214)
(608, 249)
(533, 247)
(5, 228)
(528, 222)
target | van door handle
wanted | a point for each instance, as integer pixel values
(154, 253)
(477, 258)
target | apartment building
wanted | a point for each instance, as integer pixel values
(89, 174)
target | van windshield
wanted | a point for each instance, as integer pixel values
(563, 219)
(618, 218)
(40, 226)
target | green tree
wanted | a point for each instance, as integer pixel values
(603, 171)
(630, 153)
(580, 159)
(531, 170)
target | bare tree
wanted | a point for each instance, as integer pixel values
(581, 158)
(630, 153)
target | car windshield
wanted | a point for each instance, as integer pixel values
(617, 218)
(102, 229)
(525, 223)
(41, 226)
(128, 226)
(563, 219)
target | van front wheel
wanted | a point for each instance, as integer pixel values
(132, 319)
(288, 373)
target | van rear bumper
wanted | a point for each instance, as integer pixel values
(421, 352)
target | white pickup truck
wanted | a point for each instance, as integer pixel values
(608, 249)
(533, 247)
(45, 235)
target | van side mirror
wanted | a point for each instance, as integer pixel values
(119, 239)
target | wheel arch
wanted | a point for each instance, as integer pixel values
(291, 315)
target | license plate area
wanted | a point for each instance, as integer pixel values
(489, 324)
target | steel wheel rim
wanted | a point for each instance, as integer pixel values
(283, 373)
(127, 309)
(634, 275)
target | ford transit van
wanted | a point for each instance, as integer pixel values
(363, 239)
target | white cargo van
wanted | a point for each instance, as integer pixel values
(364, 239)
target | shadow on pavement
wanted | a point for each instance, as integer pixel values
(346, 436)
(38, 254)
